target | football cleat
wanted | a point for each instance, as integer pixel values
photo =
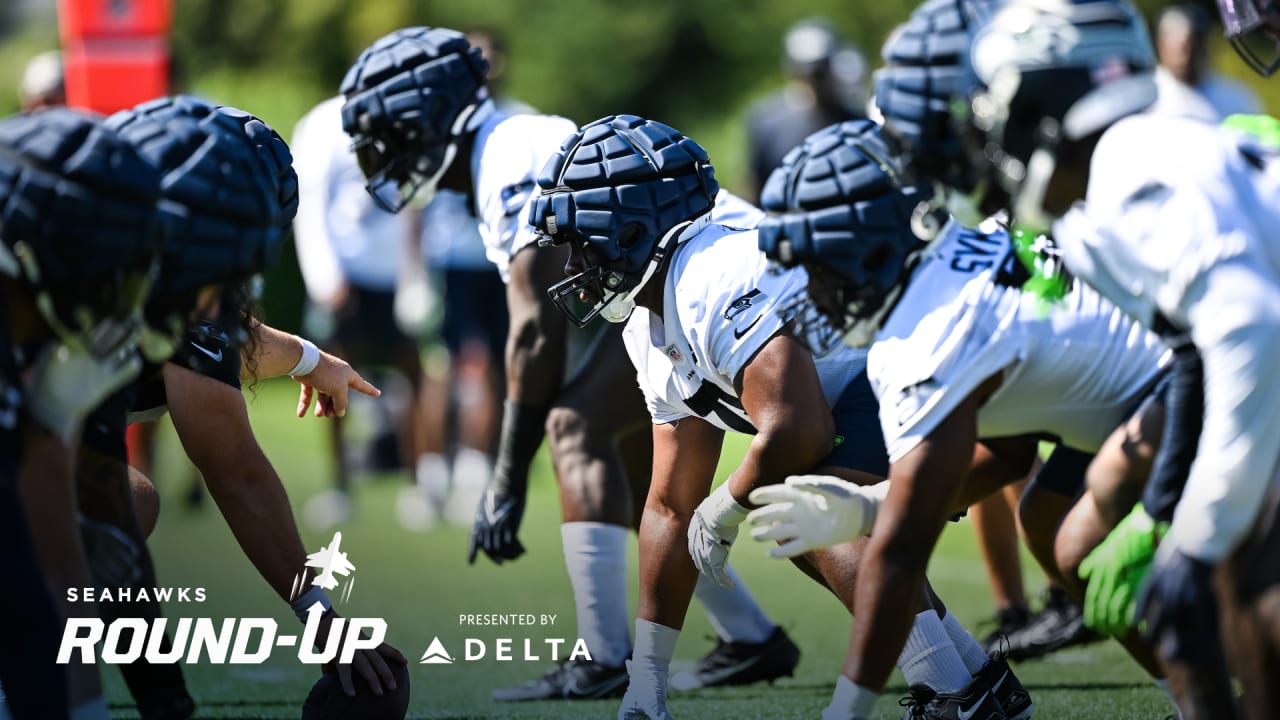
(1006, 622)
(573, 680)
(1005, 686)
(739, 663)
(1059, 625)
(974, 702)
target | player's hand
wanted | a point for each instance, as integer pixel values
(329, 384)
(712, 530)
(1180, 609)
(498, 524)
(66, 384)
(813, 511)
(369, 664)
(645, 698)
(1115, 571)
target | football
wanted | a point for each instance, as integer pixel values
(326, 701)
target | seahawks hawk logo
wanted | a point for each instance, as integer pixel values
(737, 307)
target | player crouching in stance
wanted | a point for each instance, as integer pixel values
(632, 199)
(1185, 241)
(78, 242)
(963, 360)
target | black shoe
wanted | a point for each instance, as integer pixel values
(1059, 625)
(1006, 687)
(1006, 622)
(734, 663)
(975, 702)
(573, 680)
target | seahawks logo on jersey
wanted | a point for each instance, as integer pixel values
(737, 307)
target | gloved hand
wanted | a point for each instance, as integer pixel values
(810, 512)
(712, 530)
(418, 308)
(498, 523)
(646, 697)
(65, 385)
(1115, 571)
(1180, 609)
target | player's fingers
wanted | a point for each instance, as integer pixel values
(771, 494)
(324, 405)
(721, 576)
(359, 384)
(472, 547)
(791, 549)
(365, 668)
(770, 514)
(338, 401)
(344, 679)
(777, 531)
(304, 400)
(383, 671)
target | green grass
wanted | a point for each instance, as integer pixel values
(421, 582)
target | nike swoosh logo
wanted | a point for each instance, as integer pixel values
(216, 357)
(603, 687)
(493, 511)
(737, 334)
(973, 709)
(712, 677)
(995, 687)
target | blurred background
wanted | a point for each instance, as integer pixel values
(695, 64)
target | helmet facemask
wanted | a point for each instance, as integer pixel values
(1253, 29)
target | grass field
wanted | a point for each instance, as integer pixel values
(421, 583)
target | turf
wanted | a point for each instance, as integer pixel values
(421, 583)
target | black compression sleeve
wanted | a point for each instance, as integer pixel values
(523, 427)
(1184, 417)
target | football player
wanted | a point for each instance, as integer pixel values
(421, 116)
(1186, 243)
(80, 237)
(199, 314)
(963, 358)
(714, 352)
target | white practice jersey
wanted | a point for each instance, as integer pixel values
(1073, 369)
(1182, 222)
(510, 152)
(722, 305)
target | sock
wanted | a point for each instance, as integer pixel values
(970, 651)
(732, 611)
(850, 701)
(1163, 684)
(432, 476)
(596, 556)
(93, 709)
(655, 646)
(929, 657)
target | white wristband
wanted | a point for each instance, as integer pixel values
(725, 510)
(303, 602)
(309, 360)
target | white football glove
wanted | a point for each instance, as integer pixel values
(646, 697)
(66, 384)
(712, 530)
(418, 308)
(813, 511)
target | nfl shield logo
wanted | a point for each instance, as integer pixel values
(672, 353)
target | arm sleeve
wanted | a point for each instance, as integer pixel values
(1234, 312)
(1184, 417)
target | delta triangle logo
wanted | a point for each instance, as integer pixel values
(436, 654)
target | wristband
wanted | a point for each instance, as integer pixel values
(724, 509)
(302, 604)
(308, 361)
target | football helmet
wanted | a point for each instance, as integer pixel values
(78, 225)
(1253, 28)
(410, 98)
(623, 191)
(1052, 71)
(926, 71)
(841, 205)
(229, 197)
